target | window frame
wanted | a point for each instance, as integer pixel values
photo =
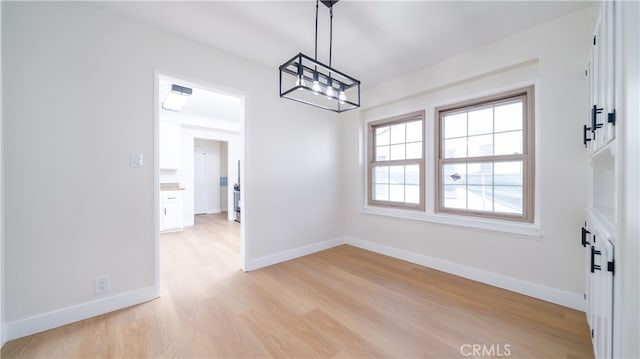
(527, 157)
(372, 163)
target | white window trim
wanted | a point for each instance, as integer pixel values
(520, 229)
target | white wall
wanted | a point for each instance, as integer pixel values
(82, 87)
(554, 56)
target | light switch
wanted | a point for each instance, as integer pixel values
(136, 159)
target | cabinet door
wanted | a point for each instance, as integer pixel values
(607, 50)
(171, 210)
(172, 216)
(601, 294)
(589, 285)
(602, 79)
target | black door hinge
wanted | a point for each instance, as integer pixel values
(584, 237)
(585, 139)
(611, 267)
(594, 40)
(591, 333)
(611, 117)
(594, 118)
(594, 253)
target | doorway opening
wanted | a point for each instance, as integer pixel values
(199, 145)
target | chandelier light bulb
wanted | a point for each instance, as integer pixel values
(342, 97)
(316, 87)
(330, 91)
(300, 82)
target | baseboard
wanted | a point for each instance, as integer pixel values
(38, 323)
(552, 295)
(253, 264)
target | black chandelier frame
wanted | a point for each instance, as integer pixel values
(303, 75)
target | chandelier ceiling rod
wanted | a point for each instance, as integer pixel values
(330, 32)
(316, 54)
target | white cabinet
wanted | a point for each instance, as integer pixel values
(170, 210)
(600, 271)
(599, 137)
(599, 129)
(169, 146)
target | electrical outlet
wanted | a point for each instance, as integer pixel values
(102, 284)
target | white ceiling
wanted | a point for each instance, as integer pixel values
(373, 41)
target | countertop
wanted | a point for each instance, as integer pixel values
(171, 186)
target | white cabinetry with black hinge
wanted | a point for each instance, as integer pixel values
(600, 140)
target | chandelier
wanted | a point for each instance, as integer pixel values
(305, 79)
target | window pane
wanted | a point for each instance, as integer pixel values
(480, 145)
(455, 125)
(508, 187)
(508, 199)
(397, 152)
(412, 194)
(508, 173)
(412, 174)
(396, 174)
(481, 121)
(414, 150)
(414, 131)
(382, 192)
(396, 193)
(382, 136)
(508, 117)
(397, 133)
(455, 196)
(454, 174)
(480, 198)
(382, 153)
(508, 143)
(455, 148)
(381, 174)
(480, 173)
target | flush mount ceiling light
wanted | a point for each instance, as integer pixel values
(306, 80)
(176, 98)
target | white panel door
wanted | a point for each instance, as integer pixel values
(200, 200)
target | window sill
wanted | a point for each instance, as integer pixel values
(526, 230)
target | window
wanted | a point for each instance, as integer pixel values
(485, 164)
(396, 162)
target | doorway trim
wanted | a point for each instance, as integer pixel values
(244, 97)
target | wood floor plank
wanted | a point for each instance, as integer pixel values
(340, 303)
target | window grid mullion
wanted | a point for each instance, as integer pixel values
(524, 180)
(374, 163)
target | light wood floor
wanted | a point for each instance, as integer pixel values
(343, 303)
